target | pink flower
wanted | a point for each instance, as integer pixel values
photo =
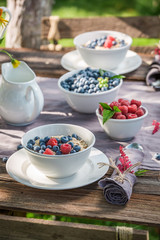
(156, 126)
(124, 159)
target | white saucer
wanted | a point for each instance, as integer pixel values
(20, 168)
(73, 61)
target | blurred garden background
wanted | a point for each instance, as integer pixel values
(83, 8)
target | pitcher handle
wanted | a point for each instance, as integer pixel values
(9, 13)
(38, 101)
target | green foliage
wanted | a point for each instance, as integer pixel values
(83, 8)
(152, 231)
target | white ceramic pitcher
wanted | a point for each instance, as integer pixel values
(21, 99)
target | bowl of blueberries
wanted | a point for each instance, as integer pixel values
(84, 89)
(103, 49)
(58, 150)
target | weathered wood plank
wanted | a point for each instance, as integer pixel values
(47, 64)
(87, 202)
(138, 27)
(14, 228)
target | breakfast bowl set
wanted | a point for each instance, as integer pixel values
(62, 156)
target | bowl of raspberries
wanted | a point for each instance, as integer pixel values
(58, 150)
(121, 119)
(103, 49)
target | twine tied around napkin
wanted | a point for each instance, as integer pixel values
(117, 189)
(120, 177)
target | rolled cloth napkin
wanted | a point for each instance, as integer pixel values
(153, 75)
(118, 189)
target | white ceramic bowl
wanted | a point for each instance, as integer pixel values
(87, 103)
(122, 130)
(59, 166)
(107, 58)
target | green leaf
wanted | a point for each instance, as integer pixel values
(101, 72)
(117, 76)
(116, 109)
(1, 40)
(105, 106)
(140, 172)
(107, 114)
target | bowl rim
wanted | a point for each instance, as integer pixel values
(59, 156)
(105, 50)
(124, 120)
(86, 94)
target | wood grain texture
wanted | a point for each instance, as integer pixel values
(47, 64)
(138, 27)
(88, 202)
(15, 228)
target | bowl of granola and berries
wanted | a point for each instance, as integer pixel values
(58, 150)
(121, 119)
(103, 49)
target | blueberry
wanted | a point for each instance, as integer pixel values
(4, 159)
(86, 87)
(73, 151)
(43, 147)
(36, 148)
(41, 141)
(58, 153)
(20, 146)
(29, 145)
(77, 148)
(80, 90)
(92, 86)
(104, 89)
(46, 139)
(69, 138)
(58, 140)
(64, 139)
(49, 146)
(36, 138)
(74, 136)
(90, 91)
(55, 148)
(31, 141)
(158, 156)
(41, 151)
(114, 43)
(87, 82)
(59, 145)
(71, 143)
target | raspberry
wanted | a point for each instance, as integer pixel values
(125, 102)
(140, 112)
(108, 43)
(132, 108)
(120, 100)
(114, 104)
(116, 114)
(52, 142)
(121, 116)
(138, 103)
(124, 109)
(131, 115)
(49, 152)
(65, 148)
(111, 38)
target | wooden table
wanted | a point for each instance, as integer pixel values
(85, 202)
